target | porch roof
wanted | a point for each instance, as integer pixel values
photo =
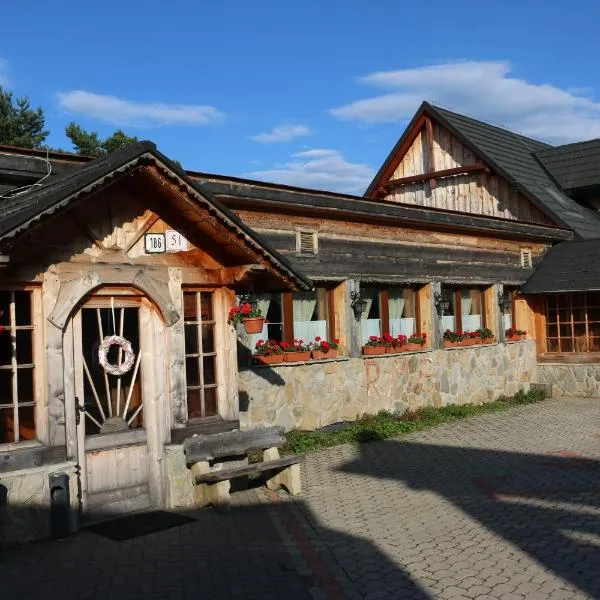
(24, 211)
(567, 267)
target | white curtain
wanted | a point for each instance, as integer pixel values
(304, 304)
(368, 326)
(448, 322)
(400, 323)
(469, 322)
(507, 320)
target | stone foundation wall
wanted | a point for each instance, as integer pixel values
(25, 503)
(315, 394)
(178, 479)
(571, 380)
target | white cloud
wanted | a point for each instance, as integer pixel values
(126, 112)
(283, 133)
(323, 169)
(484, 90)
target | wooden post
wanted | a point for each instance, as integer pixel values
(353, 325)
(436, 323)
(491, 310)
(427, 315)
(176, 341)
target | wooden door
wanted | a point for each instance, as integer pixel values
(112, 419)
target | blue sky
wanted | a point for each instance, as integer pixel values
(312, 93)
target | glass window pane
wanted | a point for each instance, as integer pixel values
(23, 308)
(7, 433)
(578, 300)
(562, 301)
(310, 315)
(26, 423)
(450, 295)
(5, 308)
(579, 329)
(594, 314)
(566, 345)
(565, 330)
(579, 314)
(210, 401)
(194, 404)
(191, 338)
(470, 309)
(401, 307)
(25, 385)
(371, 320)
(209, 370)
(208, 338)
(5, 349)
(6, 386)
(25, 346)
(271, 308)
(192, 371)
(552, 331)
(552, 345)
(564, 316)
(206, 306)
(190, 309)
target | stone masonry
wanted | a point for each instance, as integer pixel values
(314, 394)
(571, 380)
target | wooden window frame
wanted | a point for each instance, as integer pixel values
(455, 291)
(35, 367)
(200, 355)
(573, 355)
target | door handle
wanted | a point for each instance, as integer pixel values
(78, 410)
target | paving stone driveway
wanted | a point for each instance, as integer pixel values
(504, 506)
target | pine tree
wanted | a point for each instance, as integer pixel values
(20, 125)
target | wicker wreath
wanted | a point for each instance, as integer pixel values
(125, 345)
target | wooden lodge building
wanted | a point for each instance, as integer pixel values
(466, 225)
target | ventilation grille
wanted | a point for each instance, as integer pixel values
(526, 261)
(306, 242)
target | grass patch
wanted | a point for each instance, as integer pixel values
(385, 424)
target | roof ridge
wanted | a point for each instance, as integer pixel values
(500, 126)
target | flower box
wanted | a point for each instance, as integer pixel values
(391, 349)
(267, 359)
(320, 355)
(470, 342)
(515, 338)
(254, 324)
(296, 356)
(488, 340)
(449, 344)
(373, 350)
(412, 347)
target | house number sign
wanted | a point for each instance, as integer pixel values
(154, 243)
(175, 241)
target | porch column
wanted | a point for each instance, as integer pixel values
(436, 331)
(353, 325)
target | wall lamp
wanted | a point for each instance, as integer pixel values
(358, 305)
(442, 303)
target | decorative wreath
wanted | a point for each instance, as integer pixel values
(125, 345)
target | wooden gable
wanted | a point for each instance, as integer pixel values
(436, 170)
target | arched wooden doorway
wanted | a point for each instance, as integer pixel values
(120, 417)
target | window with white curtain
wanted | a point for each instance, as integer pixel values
(271, 307)
(371, 319)
(402, 312)
(465, 312)
(310, 311)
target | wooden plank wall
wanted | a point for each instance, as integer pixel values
(476, 193)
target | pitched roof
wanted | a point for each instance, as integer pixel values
(513, 156)
(25, 210)
(567, 267)
(574, 166)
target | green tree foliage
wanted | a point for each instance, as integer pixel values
(20, 125)
(90, 144)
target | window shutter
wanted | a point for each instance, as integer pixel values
(306, 242)
(526, 260)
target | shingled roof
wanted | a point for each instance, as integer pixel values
(20, 213)
(574, 166)
(567, 267)
(514, 157)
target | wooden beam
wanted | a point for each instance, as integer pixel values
(430, 152)
(437, 174)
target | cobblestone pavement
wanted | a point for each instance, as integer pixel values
(504, 506)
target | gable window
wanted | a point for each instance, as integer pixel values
(389, 310)
(573, 322)
(526, 259)
(17, 369)
(307, 242)
(299, 315)
(465, 312)
(200, 354)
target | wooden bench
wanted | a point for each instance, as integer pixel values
(212, 478)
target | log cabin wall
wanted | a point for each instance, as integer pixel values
(351, 250)
(481, 193)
